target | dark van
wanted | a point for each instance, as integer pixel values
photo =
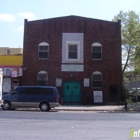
(43, 97)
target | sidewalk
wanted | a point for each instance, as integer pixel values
(131, 107)
(98, 108)
(134, 106)
(102, 108)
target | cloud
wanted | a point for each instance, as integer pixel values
(7, 17)
(27, 15)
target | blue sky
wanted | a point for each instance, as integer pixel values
(13, 13)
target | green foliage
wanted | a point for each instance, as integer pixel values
(125, 79)
(126, 93)
(130, 33)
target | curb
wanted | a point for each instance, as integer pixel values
(86, 110)
(68, 109)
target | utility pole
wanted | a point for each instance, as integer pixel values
(136, 82)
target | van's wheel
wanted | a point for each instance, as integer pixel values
(6, 105)
(44, 106)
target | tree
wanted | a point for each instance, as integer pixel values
(130, 33)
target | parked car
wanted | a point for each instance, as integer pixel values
(43, 97)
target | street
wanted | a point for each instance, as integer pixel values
(63, 125)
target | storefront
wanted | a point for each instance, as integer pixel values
(12, 78)
(11, 66)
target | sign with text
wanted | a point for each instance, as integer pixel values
(6, 84)
(13, 72)
(86, 82)
(58, 82)
(98, 96)
(76, 68)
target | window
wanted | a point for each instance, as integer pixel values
(18, 91)
(96, 50)
(47, 91)
(43, 50)
(32, 91)
(42, 78)
(97, 79)
(72, 52)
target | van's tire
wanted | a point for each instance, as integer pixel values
(6, 105)
(44, 106)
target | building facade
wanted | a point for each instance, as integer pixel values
(11, 62)
(81, 56)
(11, 51)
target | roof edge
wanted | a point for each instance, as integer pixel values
(71, 16)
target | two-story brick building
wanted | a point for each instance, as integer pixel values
(81, 56)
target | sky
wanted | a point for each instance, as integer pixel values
(13, 13)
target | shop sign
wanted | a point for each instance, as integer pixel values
(13, 72)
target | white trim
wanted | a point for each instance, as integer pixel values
(74, 38)
(96, 44)
(97, 73)
(43, 44)
(42, 72)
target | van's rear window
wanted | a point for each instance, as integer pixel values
(47, 91)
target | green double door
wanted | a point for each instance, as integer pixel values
(72, 92)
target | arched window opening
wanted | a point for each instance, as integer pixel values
(42, 78)
(97, 79)
(96, 50)
(43, 50)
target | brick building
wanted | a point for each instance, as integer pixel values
(81, 56)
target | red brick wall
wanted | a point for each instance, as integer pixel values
(51, 30)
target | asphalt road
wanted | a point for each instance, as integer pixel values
(36, 125)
